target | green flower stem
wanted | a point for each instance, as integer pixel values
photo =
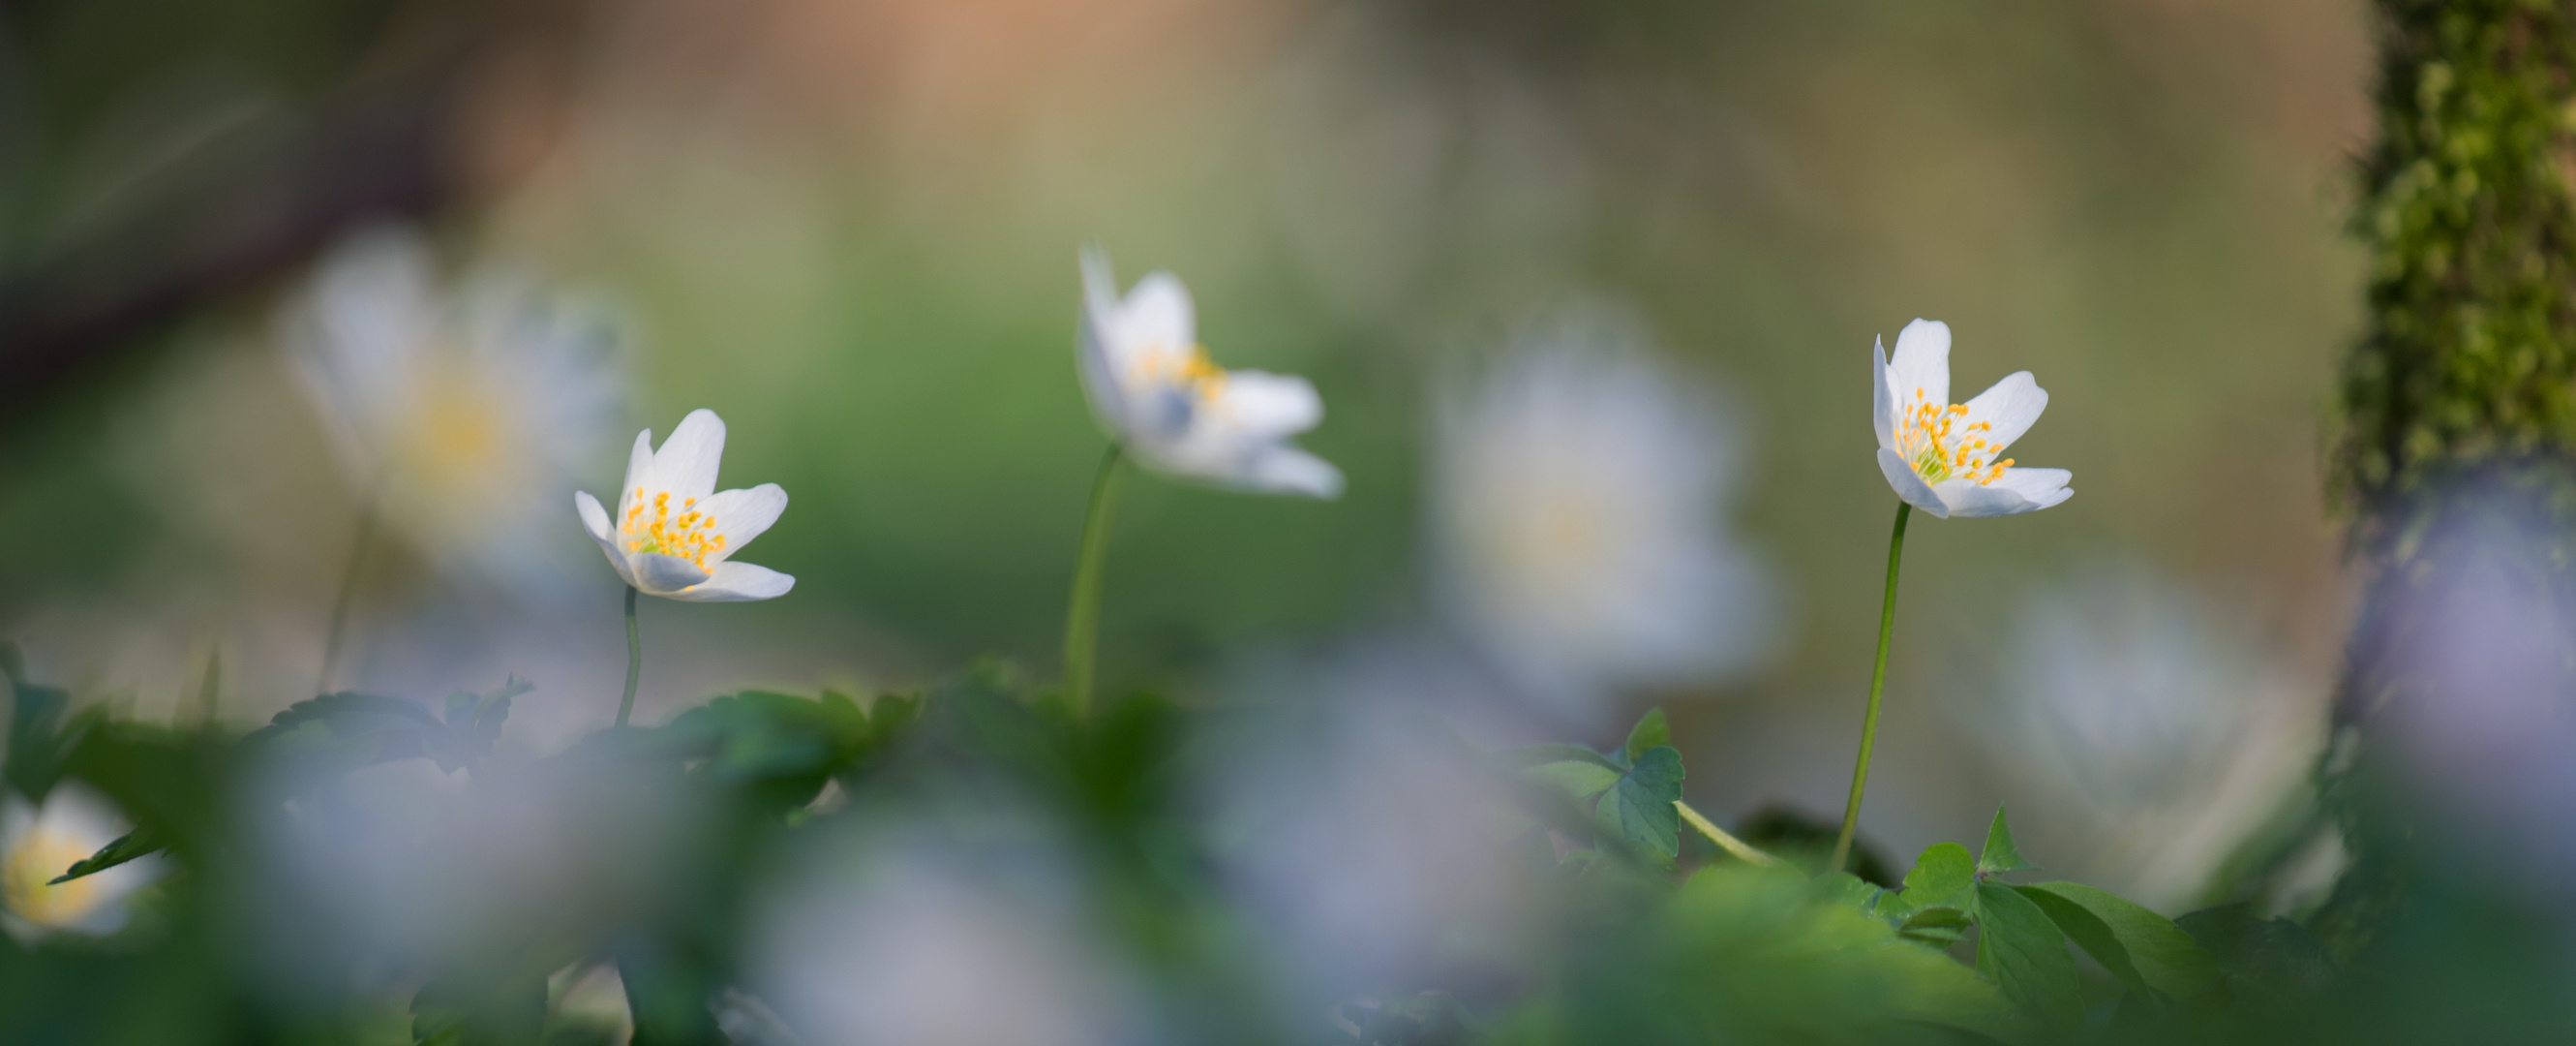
(339, 627)
(1082, 619)
(1877, 686)
(634, 660)
(1724, 839)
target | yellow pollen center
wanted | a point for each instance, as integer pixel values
(1925, 436)
(1190, 368)
(39, 856)
(689, 535)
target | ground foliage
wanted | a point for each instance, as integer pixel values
(674, 829)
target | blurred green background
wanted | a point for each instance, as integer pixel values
(850, 228)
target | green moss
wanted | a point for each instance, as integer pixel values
(2470, 360)
(2456, 448)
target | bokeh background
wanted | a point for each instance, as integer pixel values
(850, 228)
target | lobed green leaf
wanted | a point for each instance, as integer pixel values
(2161, 955)
(2021, 949)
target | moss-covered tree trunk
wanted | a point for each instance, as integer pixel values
(2456, 449)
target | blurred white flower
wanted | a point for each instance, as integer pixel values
(466, 408)
(2146, 735)
(1578, 497)
(1939, 455)
(921, 947)
(37, 845)
(1151, 384)
(673, 531)
(1375, 848)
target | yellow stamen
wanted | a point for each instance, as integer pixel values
(1924, 437)
(690, 536)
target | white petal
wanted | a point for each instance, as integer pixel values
(1908, 485)
(1285, 469)
(2007, 409)
(1157, 315)
(737, 583)
(1260, 404)
(593, 517)
(595, 520)
(686, 464)
(1882, 396)
(2011, 494)
(662, 575)
(741, 515)
(1922, 363)
(639, 470)
(1099, 283)
(1091, 342)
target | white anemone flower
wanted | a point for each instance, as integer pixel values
(674, 532)
(466, 406)
(1941, 456)
(1152, 386)
(39, 844)
(1579, 495)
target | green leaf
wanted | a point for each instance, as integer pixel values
(2000, 854)
(2021, 949)
(1942, 926)
(1944, 876)
(2164, 957)
(1760, 954)
(2274, 955)
(1850, 890)
(1533, 755)
(141, 842)
(2090, 933)
(1579, 780)
(1639, 809)
(1649, 733)
(667, 991)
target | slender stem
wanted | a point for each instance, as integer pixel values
(1082, 619)
(1725, 840)
(358, 549)
(1877, 686)
(634, 660)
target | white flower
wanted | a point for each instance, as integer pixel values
(1940, 456)
(1578, 499)
(37, 845)
(468, 407)
(1151, 385)
(2151, 732)
(673, 531)
(927, 943)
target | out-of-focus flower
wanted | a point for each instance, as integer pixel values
(467, 407)
(1941, 456)
(39, 844)
(1578, 496)
(2146, 737)
(1376, 849)
(1151, 384)
(674, 532)
(925, 947)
